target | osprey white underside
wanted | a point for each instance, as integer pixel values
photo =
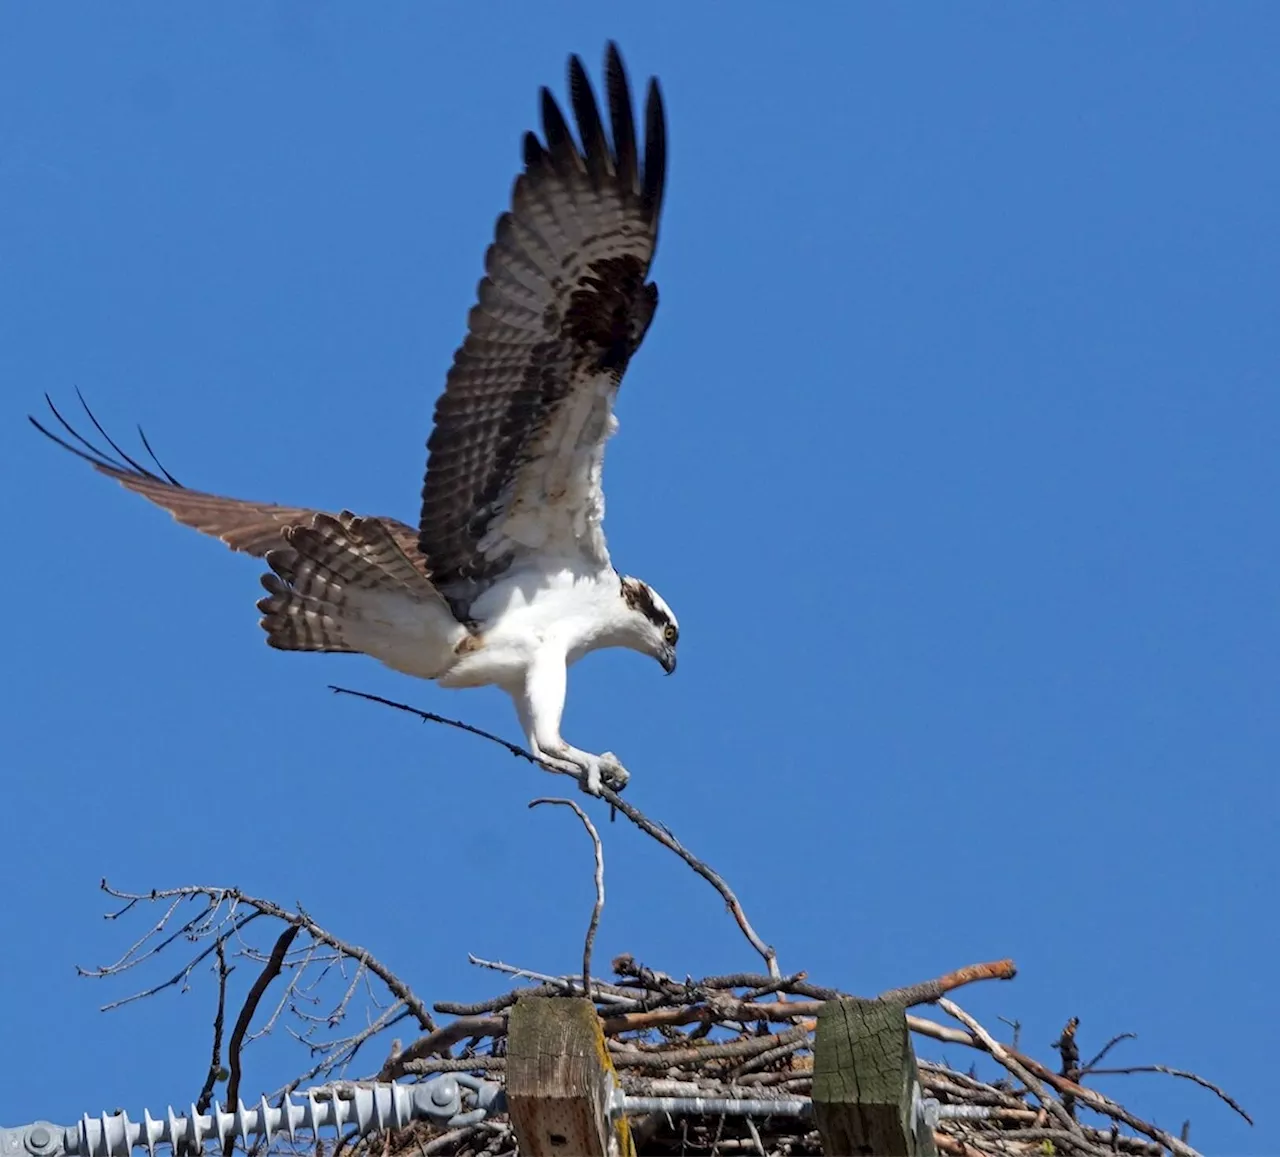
(531, 625)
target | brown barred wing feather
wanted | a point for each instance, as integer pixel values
(515, 458)
(249, 527)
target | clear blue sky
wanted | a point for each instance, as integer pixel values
(953, 445)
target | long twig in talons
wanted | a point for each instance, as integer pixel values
(659, 832)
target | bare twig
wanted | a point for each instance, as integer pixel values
(440, 1041)
(1016, 1025)
(343, 1051)
(179, 977)
(215, 1061)
(767, 983)
(601, 992)
(779, 984)
(265, 977)
(484, 1063)
(598, 906)
(784, 1049)
(1106, 1048)
(1011, 1063)
(127, 960)
(1182, 1073)
(300, 919)
(637, 817)
(720, 1010)
(736, 1050)
(669, 841)
(1101, 1104)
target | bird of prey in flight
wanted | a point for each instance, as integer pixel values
(506, 580)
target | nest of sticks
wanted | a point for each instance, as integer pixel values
(751, 1036)
(740, 1036)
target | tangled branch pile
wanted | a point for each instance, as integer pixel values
(742, 1036)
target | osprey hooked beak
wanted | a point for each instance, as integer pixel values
(667, 657)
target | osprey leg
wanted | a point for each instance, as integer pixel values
(540, 705)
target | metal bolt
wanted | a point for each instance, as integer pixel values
(39, 1137)
(443, 1092)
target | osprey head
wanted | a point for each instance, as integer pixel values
(651, 627)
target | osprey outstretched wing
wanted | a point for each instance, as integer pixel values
(518, 445)
(254, 528)
(507, 579)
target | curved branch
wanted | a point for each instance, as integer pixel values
(598, 906)
(265, 977)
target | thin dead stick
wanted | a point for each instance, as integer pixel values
(1105, 1105)
(781, 984)
(981, 1039)
(127, 960)
(669, 841)
(736, 1050)
(598, 906)
(777, 1011)
(1106, 1048)
(179, 977)
(777, 1053)
(767, 983)
(345, 1050)
(441, 1040)
(481, 1063)
(301, 920)
(1001, 1054)
(215, 1061)
(1171, 1072)
(265, 977)
(637, 817)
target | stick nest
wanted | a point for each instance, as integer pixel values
(747, 1035)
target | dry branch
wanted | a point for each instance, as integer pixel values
(250, 1006)
(215, 1061)
(598, 906)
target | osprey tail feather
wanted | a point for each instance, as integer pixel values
(294, 622)
(346, 584)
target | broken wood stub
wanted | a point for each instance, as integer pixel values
(864, 1082)
(560, 1080)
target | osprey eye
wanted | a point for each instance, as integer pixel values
(669, 633)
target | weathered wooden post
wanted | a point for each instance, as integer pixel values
(864, 1082)
(559, 1081)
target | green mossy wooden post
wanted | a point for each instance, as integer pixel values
(864, 1071)
(559, 1078)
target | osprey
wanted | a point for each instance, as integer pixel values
(506, 580)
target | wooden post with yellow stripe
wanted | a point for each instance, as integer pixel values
(560, 1081)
